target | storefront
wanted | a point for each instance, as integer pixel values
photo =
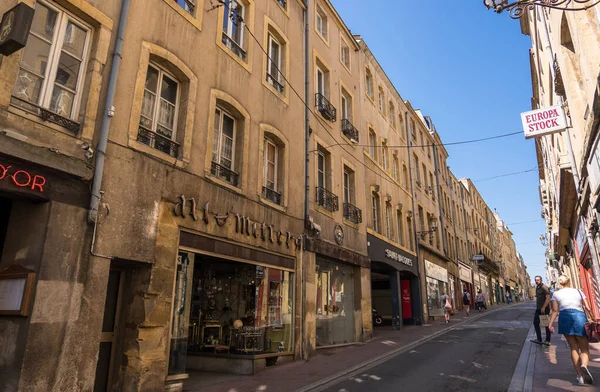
(394, 283)
(437, 285)
(466, 281)
(484, 285)
(335, 303)
(587, 275)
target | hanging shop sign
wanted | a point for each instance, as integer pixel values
(436, 272)
(543, 121)
(22, 178)
(244, 225)
(14, 28)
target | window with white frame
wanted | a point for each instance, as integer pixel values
(345, 54)
(417, 170)
(53, 62)
(233, 27)
(395, 169)
(392, 115)
(346, 105)
(323, 168)
(400, 221)
(275, 53)
(375, 211)
(372, 144)
(223, 153)
(405, 176)
(369, 82)
(160, 105)
(282, 3)
(272, 183)
(425, 176)
(321, 22)
(409, 228)
(380, 100)
(349, 193)
(412, 130)
(384, 155)
(388, 220)
(188, 5)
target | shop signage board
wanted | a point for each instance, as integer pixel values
(390, 254)
(543, 121)
(382, 251)
(465, 274)
(436, 272)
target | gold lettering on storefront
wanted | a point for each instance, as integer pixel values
(244, 225)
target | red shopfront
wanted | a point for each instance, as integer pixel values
(587, 275)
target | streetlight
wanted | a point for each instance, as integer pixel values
(517, 8)
(433, 224)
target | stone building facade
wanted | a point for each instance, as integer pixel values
(564, 58)
(161, 207)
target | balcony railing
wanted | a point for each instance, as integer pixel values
(271, 195)
(46, 114)
(352, 213)
(159, 142)
(327, 199)
(325, 107)
(274, 82)
(234, 46)
(349, 130)
(224, 173)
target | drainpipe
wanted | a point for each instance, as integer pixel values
(306, 171)
(415, 235)
(109, 111)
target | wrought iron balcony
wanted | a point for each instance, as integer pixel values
(234, 46)
(327, 199)
(271, 195)
(349, 130)
(224, 173)
(157, 141)
(352, 213)
(275, 83)
(46, 114)
(325, 107)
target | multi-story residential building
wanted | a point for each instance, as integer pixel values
(50, 96)
(390, 233)
(439, 270)
(564, 59)
(336, 258)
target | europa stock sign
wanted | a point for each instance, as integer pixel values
(543, 121)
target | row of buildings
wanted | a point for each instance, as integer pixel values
(217, 185)
(564, 60)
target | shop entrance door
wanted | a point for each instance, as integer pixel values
(109, 331)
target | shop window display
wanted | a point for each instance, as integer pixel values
(435, 289)
(230, 307)
(335, 303)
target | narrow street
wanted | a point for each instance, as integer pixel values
(478, 356)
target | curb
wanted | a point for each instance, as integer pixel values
(522, 379)
(384, 357)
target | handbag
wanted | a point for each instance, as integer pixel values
(544, 320)
(592, 327)
(448, 305)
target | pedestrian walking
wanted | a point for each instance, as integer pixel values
(508, 298)
(480, 299)
(570, 305)
(446, 305)
(542, 298)
(466, 299)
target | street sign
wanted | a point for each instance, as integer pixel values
(478, 258)
(543, 121)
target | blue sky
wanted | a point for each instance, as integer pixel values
(467, 68)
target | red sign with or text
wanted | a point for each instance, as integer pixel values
(22, 178)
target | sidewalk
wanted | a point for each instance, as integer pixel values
(544, 369)
(329, 364)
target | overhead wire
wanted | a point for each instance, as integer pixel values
(324, 127)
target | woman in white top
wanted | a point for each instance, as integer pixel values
(568, 304)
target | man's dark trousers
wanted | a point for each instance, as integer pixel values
(536, 325)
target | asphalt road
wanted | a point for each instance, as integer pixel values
(477, 356)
